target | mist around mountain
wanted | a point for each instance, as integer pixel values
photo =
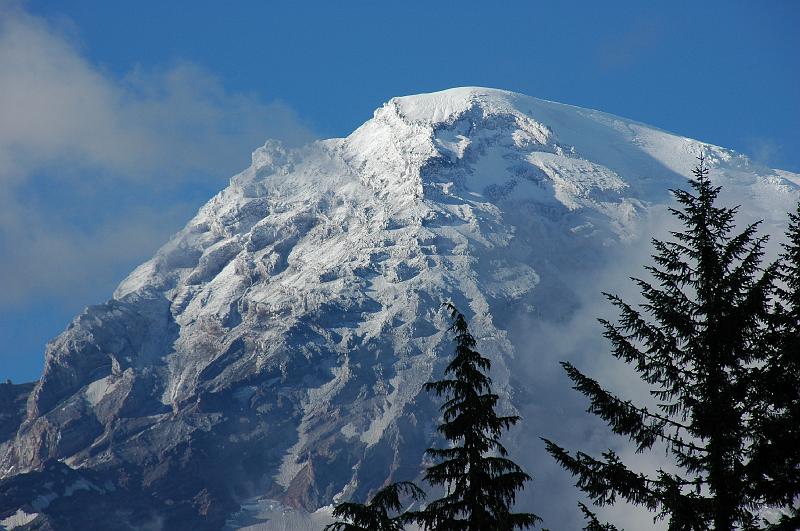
(271, 355)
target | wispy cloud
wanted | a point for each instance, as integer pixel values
(765, 151)
(628, 47)
(126, 155)
(557, 412)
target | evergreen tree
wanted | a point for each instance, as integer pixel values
(480, 481)
(701, 341)
(377, 514)
(777, 445)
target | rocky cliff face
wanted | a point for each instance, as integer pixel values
(12, 408)
(278, 344)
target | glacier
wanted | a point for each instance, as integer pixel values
(276, 347)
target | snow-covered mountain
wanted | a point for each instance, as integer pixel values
(278, 344)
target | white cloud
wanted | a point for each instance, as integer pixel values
(67, 124)
(556, 411)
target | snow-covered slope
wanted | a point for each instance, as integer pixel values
(278, 344)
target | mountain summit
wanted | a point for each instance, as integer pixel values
(278, 344)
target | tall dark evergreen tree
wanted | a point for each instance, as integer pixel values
(381, 513)
(778, 436)
(701, 340)
(479, 480)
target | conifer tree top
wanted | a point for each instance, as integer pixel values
(702, 340)
(382, 513)
(479, 480)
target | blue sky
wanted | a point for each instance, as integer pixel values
(119, 119)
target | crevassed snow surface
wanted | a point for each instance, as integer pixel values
(18, 519)
(291, 324)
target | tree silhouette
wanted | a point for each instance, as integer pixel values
(777, 438)
(702, 341)
(480, 481)
(377, 514)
